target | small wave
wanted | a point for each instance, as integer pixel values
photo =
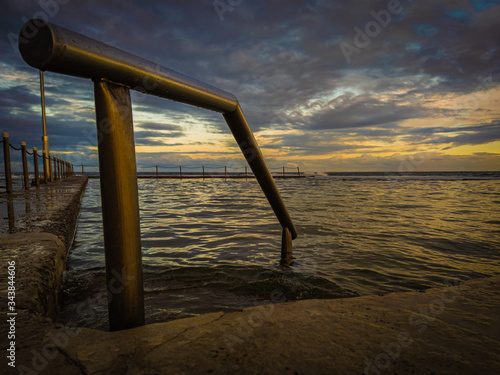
(294, 285)
(182, 292)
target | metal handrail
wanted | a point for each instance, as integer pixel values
(59, 50)
(46, 46)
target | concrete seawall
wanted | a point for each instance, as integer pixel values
(36, 232)
(449, 330)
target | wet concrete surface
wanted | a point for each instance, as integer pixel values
(36, 231)
(52, 208)
(452, 330)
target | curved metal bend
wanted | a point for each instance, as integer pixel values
(46, 46)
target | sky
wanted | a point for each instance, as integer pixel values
(325, 85)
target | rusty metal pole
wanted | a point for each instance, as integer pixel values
(54, 169)
(67, 52)
(248, 145)
(35, 163)
(298, 171)
(26, 179)
(6, 161)
(46, 167)
(120, 206)
(51, 171)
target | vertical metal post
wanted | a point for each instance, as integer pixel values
(180, 171)
(283, 171)
(120, 206)
(6, 162)
(45, 139)
(298, 171)
(26, 179)
(83, 172)
(35, 163)
(203, 167)
(51, 171)
(54, 170)
(46, 166)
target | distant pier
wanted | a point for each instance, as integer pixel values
(187, 176)
(203, 172)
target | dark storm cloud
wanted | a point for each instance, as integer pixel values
(17, 98)
(360, 111)
(317, 144)
(275, 56)
(468, 135)
(155, 138)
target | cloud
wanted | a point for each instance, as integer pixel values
(283, 61)
(360, 111)
(468, 135)
(155, 138)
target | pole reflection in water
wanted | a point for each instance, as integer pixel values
(10, 211)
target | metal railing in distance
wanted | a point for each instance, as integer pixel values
(46, 46)
(68, 167)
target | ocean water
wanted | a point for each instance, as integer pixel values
(214, 245)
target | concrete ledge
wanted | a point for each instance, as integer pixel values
(40, 224)
(40, 262)
(450, 330)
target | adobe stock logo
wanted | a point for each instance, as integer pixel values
(372, 29)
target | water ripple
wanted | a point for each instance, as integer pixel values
(217, 242)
